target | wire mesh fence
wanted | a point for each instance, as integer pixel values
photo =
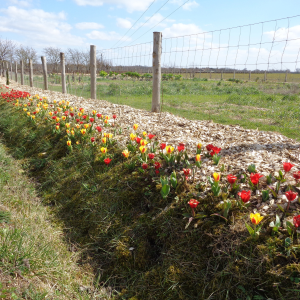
(247, 75)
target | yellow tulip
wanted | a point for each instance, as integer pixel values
(25, 109)
(216, 176)
(125, 153)
(57, 127)
(199, 145)
(144, 133)
(68, 125)
(94, 112)
(143, 149)
(132, 136)
(50, 113)
(77, 126)
(198, 157)
(143, 142)
(255, 218)
(103, 150)
(86, 126)
(83, 131)
(28, 113)
(69, 143)
(104, 140)
(169, 149)
(77, 143)
(135, 126)
(64, 118)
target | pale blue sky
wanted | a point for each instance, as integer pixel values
(80, 23)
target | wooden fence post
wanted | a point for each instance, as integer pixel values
(16, 73)
(93, 68)
(63, 72)
(234, 74)
(249, 75)
(30, 73)
(156, 70)
(286, 73)
(44, 66)
(265, 76)
(221, 75)
(22, 72)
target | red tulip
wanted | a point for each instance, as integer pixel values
(187, 171)
(77, 120)
(72, 114)
(157, 172)
(209, 147)
(162, 146)
(215, 150)
(296, 221)
(66, 113)
(144, 166)
(151, 155)
(290, 195)
(255, 178)
(157, 165)
(98, 116)
(84, 117)
(245, 196)
(107, 161)
(287, 166)
(231, 179)
(92, 120)
(297, 175)
(114, 116)
(180, 148)
(193, 203)
(81, 122)
(137, 139)
(151, 136)
(98, 128)
(92, 139)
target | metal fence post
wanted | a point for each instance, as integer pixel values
(93, 68)
(22, 72)
(286, 73)
(63, 72)
(30, 73)
(156, 69)
(44, 66)
(249, 75)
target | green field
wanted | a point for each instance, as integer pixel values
(266, 105)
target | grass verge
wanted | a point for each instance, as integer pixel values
(35, 262)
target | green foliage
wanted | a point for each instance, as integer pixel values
(103, 73)
(133, 74)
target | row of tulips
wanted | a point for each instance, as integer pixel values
(80, 130)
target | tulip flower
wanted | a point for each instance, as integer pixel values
(143, 149)
(94, 112)
(67, 125)
(297, 176)
(216, 176)
(69, 143)
(92, 139)
(245, 195)
(67, 131)
(290, 195)
(198, 158)
(109, 135)
(144, 133)
(144, 166)
(254, 177)
(99, 116)
(157, 165)
(143, 142)
(92, 120)
(199, 146)
(77, 143)
(138, 140)
(231, 179)
(151, 155)
(114, 116)
(107, 117)
(255, 218)
(72, 132)
(105, 121)
(103, 150)
(125, 153)
(287, 166)
(151, 136)
(193, 204)
(77, 126)
(162, 146)
(83, 131)
(103, 140)
(186, 172)
(296, 221)
(72, 114)
(107, 161)
(56, 127)
(169, 149)
(86, 126)
(98, 128)
(180, 148)
(132, 136)
(135, 126)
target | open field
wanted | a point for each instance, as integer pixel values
(268, 106)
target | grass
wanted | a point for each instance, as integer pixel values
(35, 261)
(136, 241)
(268, 106)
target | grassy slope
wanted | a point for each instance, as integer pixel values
(137, 241)
(34, 260)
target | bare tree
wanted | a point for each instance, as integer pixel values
(86, 60)
(53, 57)
(75, 58)
(7, 48)
(25, 54)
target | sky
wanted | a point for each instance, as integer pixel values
(117, 26)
